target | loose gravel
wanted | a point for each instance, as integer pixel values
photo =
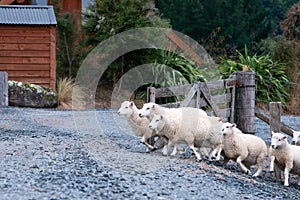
(55, 154)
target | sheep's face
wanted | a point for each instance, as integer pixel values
(227, 128)
(157, 123)
(278, 140)
(296, 137)
(126, 108)
(146, 110)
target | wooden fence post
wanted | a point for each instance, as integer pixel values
(3, 89)
(275, 116)
(151, 94)
(245, 101)
(275, 125)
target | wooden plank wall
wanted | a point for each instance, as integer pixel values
(27, 53)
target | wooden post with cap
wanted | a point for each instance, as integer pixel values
(245, 101)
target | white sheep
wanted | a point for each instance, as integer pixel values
(245, 149)
(189, 128)
(296, 137)
(150, 109)
(140, 126)
(287, 156)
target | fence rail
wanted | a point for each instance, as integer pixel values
(274, 119)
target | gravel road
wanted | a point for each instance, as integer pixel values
(54, 154)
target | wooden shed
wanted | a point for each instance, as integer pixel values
(28, 43)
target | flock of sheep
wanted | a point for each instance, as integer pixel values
(211, 136)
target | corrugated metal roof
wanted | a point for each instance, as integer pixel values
(30, 15)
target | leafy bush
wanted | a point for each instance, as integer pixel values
(270, 77)
(177, 69)
(286, 51)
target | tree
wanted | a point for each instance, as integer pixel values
(239, 22)
(291, 24)
(105, 18)
(67, 37)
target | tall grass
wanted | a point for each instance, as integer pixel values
(70, 95)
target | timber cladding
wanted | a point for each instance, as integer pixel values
(27, 44)
(27, 53)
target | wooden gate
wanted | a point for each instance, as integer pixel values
(217, 98)
(233, 99)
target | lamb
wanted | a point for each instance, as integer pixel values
(138, 125)
(287, 156)
(245, 149)
(189, 129)
(296, 138)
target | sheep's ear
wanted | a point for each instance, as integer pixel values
(131, 103)
(283, 138)
(161, 117)
(220, 119)
(272, 133)
(233, 125)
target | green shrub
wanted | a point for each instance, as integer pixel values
(270, 77)
(177, 69)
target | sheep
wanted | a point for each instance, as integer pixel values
(149, 109)
(189, 128)
(287, 156)
(138, 125)
(245, 149)
(296, 138)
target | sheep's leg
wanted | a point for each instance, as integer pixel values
(287, 170)
(286, 177)
(148, 146)
(174, 150)
(160, 142)
(217, 151)
(211, 155)
(204, 152)
(165, 150)
(260, 161)
(198, 156)
(166, 147)
(272, 163)
(244, 168)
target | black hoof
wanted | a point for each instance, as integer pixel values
(154, 148)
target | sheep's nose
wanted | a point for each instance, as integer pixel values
(140, 115)
(150, 126)
(273, 146)
(118, 112)
(293, 142)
